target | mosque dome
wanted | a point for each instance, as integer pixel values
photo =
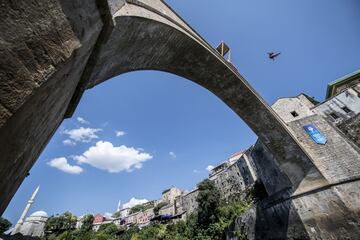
(39, 214)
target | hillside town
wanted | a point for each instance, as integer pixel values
(332, 124)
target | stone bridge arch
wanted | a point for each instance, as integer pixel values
(83, 43)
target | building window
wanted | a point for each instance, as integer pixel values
(334, 115)
(294, 114)
(346, 109)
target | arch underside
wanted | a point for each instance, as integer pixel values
(131, 35)
(144, 40)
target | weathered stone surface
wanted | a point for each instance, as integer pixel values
(39, 95)
(137, 43)
(326, 213)
(70, 45)
(351, 129)
(269, 172)
(338, 159)
(34, 37)
(330, 213)
(53, 50)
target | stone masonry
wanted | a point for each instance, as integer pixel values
(331, 212)
(53, 50)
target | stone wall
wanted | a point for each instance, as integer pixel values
(269, 172)
(233, 180)
(338, 159)
(299, 104)
(351, 129)
(189, 202)
(325, 214)
(39, 50)
(53, 50)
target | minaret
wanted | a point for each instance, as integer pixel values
(119, 206)
(23, 215)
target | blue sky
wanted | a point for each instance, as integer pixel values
(157, 113)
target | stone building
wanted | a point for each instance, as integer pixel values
(99, 220)
(167, 210)
(341, 107)
(339, 158)
(131, 219)
(34, 224)
(143, 218)
(234, 176)
(124, 212)
(336, 156)
(170, 194)
(293, 108)
(189, 203)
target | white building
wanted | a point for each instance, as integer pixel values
(34, 224)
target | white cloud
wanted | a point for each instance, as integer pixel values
(105, 156)
(69, 142)
(63, 165)
(83, 134)
(120, 133)
(133, 202)
(82, 120)
(209, 168)
(172, 154)
(196, 171)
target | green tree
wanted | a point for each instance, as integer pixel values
(69, 221)
(86, 223)
(59, 224)
(4, 225)
(110, 229)
(208, 202)
(128, 235)
(155, 231)
(137, 208)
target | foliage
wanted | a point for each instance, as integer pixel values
(106, 232)
(4, 225)
(109, 229)
(155, 231)
(211, 222)
(128, 235)
(62, 223)
(139, 208)
(86, 222)
(208, 201)
(158, 207)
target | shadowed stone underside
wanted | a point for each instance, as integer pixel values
(52, 51)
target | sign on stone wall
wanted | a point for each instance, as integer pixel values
(315, 134)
